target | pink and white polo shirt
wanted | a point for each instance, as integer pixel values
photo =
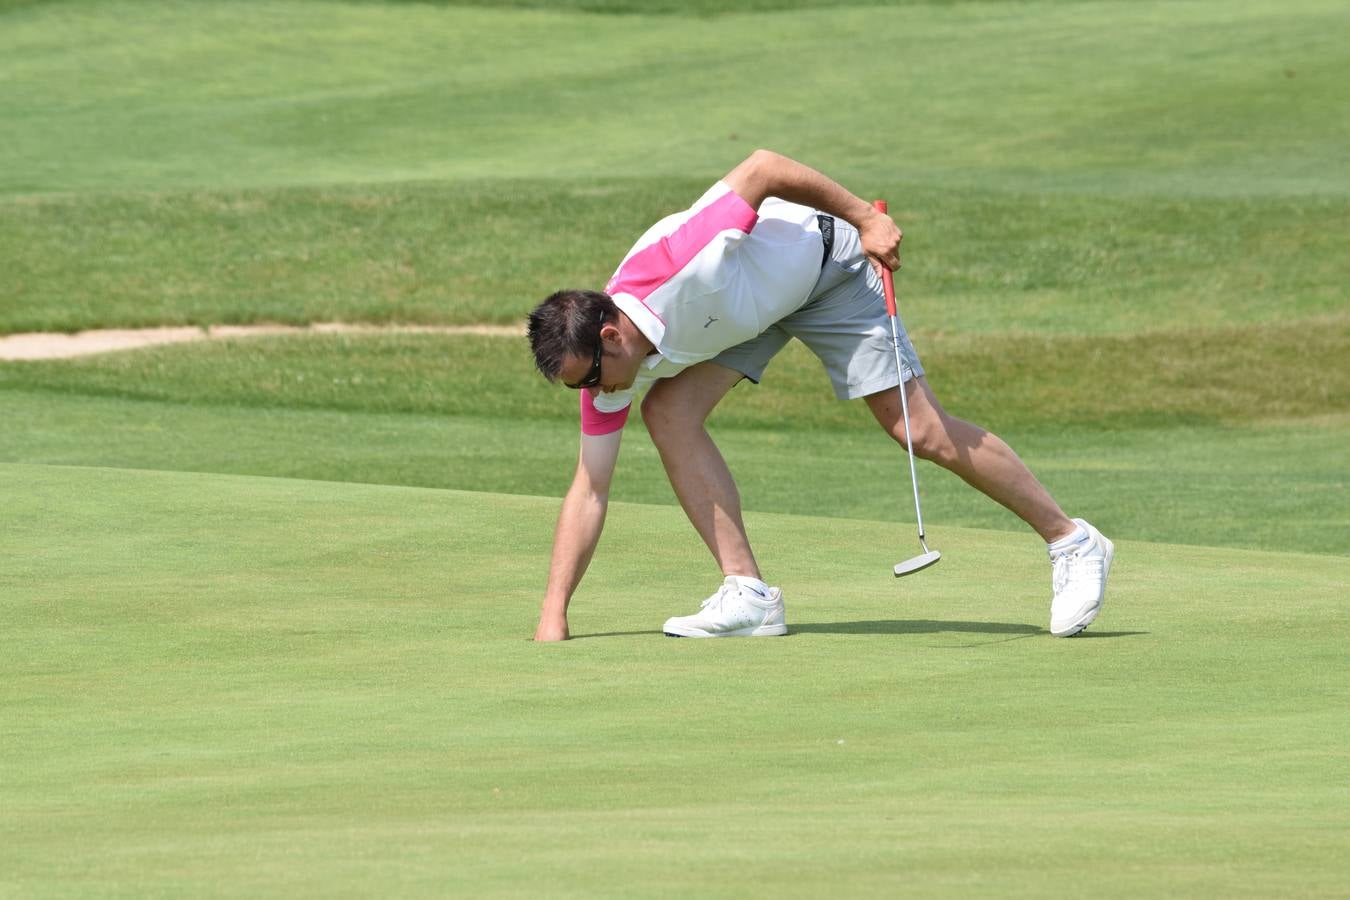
(706, 279)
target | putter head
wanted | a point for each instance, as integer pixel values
(918, 563)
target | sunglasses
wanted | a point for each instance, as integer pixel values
(593, 376)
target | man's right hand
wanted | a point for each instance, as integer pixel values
(880, 238)
(579, 524)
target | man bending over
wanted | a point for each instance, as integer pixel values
(773, 251)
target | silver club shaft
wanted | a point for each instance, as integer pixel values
(904, 411)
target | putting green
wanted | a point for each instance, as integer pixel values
(228, 685)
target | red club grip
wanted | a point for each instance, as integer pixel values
(887, 278)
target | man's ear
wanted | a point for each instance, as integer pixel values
(610, 332)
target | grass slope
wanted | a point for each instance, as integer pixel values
(1273, 487)
(222, 686)
(1191, 448)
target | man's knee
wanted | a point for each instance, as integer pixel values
(666, 417)
(928, 436)
(653, 416)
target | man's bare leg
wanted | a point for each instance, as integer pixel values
(979, 457)
(1080, 554)
(674, 411)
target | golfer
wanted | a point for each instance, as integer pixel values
(773, 251)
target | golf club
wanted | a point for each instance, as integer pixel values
(928, 557)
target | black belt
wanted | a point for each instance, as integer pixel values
(826, 236)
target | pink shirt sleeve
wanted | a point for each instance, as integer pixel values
(595, 422)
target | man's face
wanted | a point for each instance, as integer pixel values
(618, 366)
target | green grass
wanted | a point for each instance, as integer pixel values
(1231, 376)
(1151, 97)
(286, 161)
(976, 261)
(1265, 486)
(1125, 229)
(223, 686)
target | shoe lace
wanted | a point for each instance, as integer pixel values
(1072, 565)
(1059, 575)
(716, 599)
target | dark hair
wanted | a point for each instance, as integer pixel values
(567, 323)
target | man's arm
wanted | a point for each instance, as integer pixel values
(578, 531)
(768, 174)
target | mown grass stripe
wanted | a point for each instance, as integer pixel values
(1142, 97)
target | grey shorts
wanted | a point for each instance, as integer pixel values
(843, 322)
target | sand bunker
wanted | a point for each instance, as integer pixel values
(44, 345)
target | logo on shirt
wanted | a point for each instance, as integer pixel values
(711, 319)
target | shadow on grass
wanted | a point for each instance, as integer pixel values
(1012, 630)
(917, 626)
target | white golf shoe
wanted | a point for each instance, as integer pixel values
(1079, 582)
(733, 612)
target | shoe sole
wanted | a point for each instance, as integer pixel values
(1091, 614)
(759, 631)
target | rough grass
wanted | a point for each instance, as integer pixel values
(1229, 376)
(485, 251)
